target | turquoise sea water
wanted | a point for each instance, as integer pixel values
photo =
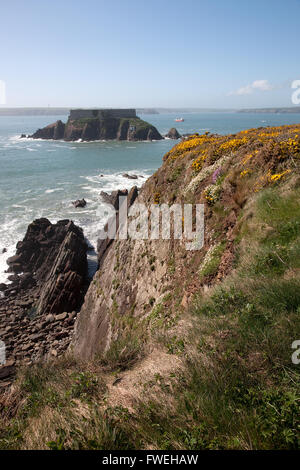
(41, 178)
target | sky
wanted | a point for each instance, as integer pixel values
(157, 53)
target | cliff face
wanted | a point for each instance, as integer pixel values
(137, 277)
(53, 131)
(109, 128)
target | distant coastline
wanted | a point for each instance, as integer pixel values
(290, 110)
(59, 111)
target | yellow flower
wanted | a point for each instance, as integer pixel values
(244, 173)
(278, 176)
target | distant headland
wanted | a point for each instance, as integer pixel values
(99, 124)
(51, 111)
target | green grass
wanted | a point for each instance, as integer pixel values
(212, 261)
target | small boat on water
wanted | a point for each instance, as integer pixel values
(179, 120)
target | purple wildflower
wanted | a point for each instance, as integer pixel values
(216, 175)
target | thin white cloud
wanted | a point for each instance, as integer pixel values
(261, 85)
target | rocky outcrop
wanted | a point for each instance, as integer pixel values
(36, 254)
(173, 134)
(109, 128)
(64, 285)
(130, 177)
(143, 132)
(53, 131)
(53, 257)
(49, 281)
(113, 198)
(79, 203)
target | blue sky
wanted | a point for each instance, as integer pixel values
(166, 53)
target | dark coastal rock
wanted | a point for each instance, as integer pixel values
(143, 133)
(37, 253)
(59, 130)
(4, 250)
(53, 131)
(173, 134)
(73, 131)
(91, 130)
(123, 130)
(14, 278)
(64, 285)
(132, 195)
(52, 260)
(113, 198)
(79, 203)
(23, 136)
(153, 134)
(131, 177)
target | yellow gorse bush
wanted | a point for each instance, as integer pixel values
(232, 144)
(198, 163)
(291, 145)
(191, 143)
(253, 151)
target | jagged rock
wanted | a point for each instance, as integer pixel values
(132, 195)
(143, 133)
(173, 134)
(64, 287)
(53, 131)
(131, 177)
(23, 136)
(79, 203)
(40, 246)
(113, 198)
(54, 256)
(4, 250)
(153, 134)
(14, 278)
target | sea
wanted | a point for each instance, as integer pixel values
(41, 178)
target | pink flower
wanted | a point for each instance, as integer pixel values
(216, 175)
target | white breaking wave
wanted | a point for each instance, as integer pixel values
(49, 191)
(15, 228)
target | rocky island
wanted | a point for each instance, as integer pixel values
(99, 124)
